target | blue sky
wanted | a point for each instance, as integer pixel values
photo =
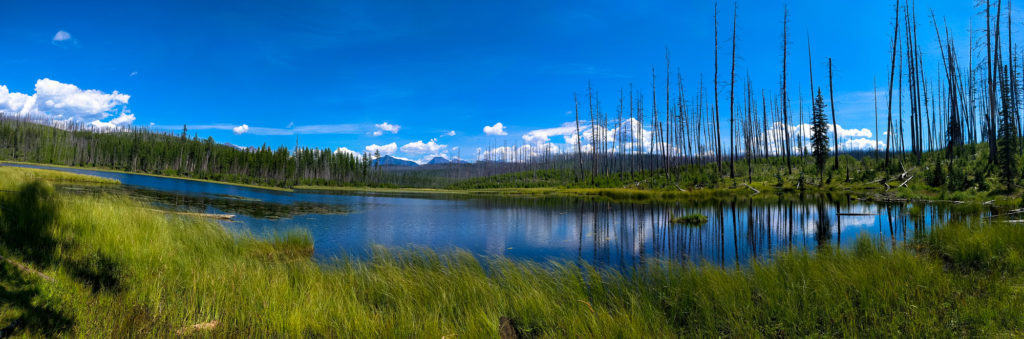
(331, 74)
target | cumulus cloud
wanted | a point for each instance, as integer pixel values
(627, 135)
(345, 150)
(516, 153)
(385, 127)
(117, 123)
(450, 133)
(56, 101)
(420, 147)
(497, 129)
(539, 136)
(61, 36)
(383, 149)
(63, 39)
(861, 144)
(240, 129)
(631, 135)
(849, 139)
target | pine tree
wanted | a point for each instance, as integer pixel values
(1007, 150)
(819, 132)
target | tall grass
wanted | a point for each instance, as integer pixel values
(121, 269)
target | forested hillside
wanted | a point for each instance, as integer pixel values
(141, 150)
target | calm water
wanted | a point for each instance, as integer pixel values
(606, 233)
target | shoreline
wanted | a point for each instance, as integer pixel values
(248, 286)
(861, 191)
(758, 190)
(99, 169)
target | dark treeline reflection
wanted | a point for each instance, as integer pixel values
(738, 230)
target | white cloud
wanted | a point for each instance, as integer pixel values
(383, 149)
(385, 127)
(849, 139)
(497, 129)
(346, 151)
(517, 153)
(118, 123)
(61, 36)
(419, 147)
(861, 144)
(240, 129)
(133, 73)
(450, 133)
(539, 136)
(56, 101)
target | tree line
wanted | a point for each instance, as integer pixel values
(673, 133)
(142, 150)
(952, 110)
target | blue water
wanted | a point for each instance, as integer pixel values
(600, 232)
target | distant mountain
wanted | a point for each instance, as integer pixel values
(438, 161)
(443, 160)
(243, 148)
(388, 160)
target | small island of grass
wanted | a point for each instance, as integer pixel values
(692, 219)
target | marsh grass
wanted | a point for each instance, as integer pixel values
(11, 177)
(122, 269)
(692, 219)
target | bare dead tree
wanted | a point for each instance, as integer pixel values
(832, 105)
(785, 99)
(714, 84)
(732, 97)
(892, 70)
(579, 142)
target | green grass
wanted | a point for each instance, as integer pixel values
(123, 269)
(694, 219)
(11, 177)
(273, 188)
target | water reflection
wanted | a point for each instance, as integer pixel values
(738, 229)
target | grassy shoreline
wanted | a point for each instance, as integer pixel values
(119, 268)
(273, 188)
(760, 190)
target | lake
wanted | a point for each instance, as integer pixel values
(600, 232)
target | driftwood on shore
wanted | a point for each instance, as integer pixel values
(751, 188)
(904, 184)
(209, 325)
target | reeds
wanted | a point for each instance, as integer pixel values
(121, 269)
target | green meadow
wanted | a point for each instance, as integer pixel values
(110, 266)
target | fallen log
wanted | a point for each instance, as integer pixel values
(201, 215)
(752, 189)
(904, 184)
(26, 269)
(209, 325)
